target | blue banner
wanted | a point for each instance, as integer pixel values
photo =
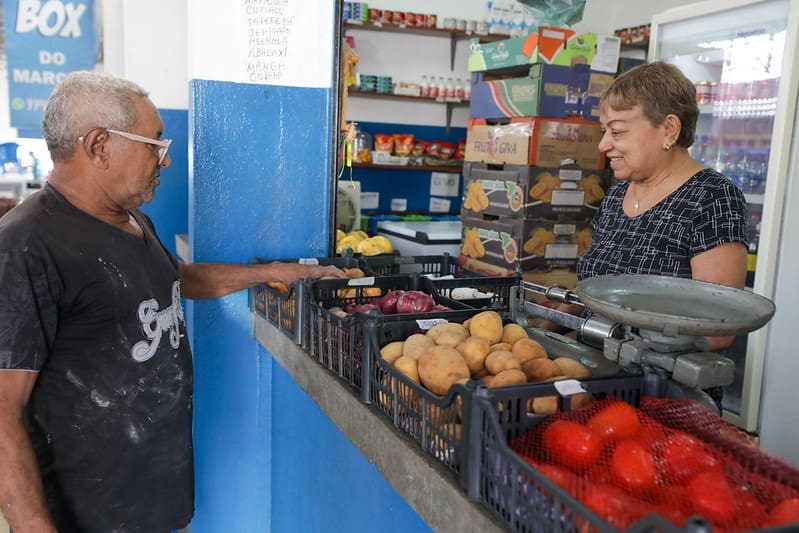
(45, 41)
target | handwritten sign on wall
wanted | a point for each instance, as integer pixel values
(272, 42)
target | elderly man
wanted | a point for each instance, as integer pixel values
(95, 367)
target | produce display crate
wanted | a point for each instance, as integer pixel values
(447, 274)
(434, 422)
(435, 265)
(337, 341)
(524, 499)
(285, 311)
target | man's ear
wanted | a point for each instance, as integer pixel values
(95, 146)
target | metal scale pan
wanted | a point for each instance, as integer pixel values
(675, 306)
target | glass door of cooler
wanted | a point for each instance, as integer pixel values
(733, 51)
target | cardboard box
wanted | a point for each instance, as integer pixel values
(524, 245)
(554, 46)
(543, 142)
(568, 193)
(598, 82)
(547, 91)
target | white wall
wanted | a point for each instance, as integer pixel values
(146, 42)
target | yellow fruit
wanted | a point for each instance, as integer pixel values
(340, 234)
(359, 233)
(350, 241)
(383, 243)
(368, 247)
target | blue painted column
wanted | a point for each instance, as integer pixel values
(266, 457)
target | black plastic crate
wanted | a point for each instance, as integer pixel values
(285, 311)
(337, 341)
(447, 274)
(516, 493)
(434, 422)
(436, 265)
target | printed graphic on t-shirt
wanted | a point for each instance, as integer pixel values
(155, 323)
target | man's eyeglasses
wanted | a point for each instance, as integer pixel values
(162, 144)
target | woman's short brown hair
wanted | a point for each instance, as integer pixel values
(660, 89)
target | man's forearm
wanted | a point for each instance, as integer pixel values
(21, 494)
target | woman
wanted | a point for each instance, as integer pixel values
(668, 215)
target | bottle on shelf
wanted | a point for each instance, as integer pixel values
(432, 88)
(449, 88)
(424, 87)
(442, 86)
(459, 88)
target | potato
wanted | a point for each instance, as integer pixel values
(540, 369)
(448, 333)
(526, 349)
(571, 368)
(511, 376)
(500, 346)
(513, 332)
(408, 366)
(501, 360)
(416, 344)
(487, 379)
(440, 367)
(544, 405)
(392, 351)
(474, 351)
(488, 325)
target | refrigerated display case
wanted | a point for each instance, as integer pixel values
(741, 56)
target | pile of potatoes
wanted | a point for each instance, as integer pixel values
(482, 348)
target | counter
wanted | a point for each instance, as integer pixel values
(413, 474)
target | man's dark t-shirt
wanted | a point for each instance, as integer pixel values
(97, 312)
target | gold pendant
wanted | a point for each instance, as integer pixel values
(635, 205)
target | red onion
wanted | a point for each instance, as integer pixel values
(388, 303)
(414, 302)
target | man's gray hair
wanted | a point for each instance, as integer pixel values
(86, 100)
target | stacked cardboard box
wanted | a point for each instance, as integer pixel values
(534, 176)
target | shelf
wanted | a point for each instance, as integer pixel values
(418, 99)
(420, 30)
(450, 169)
(453, 35)
(449, 102)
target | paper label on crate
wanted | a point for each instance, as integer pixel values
(439, 205)
(428, 323)
(444, 184)
(399, 204)
(569, 387)
(566, 197)
(360, 282)
(308, 261)
(370, 200)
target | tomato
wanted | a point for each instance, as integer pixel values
(785, 512)
(571, 444)
(559, 476)
(613, 504)
(711, 495)
(633, 466)
(683, 456)
(617, 421)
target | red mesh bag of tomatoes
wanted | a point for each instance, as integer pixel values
(673, 457)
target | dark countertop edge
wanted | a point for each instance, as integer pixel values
(428, 487)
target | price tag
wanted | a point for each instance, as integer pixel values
(308, 261)
(569, 387)
(425, 324)
(444, 184)
(439, 205)
(370, 200)
(399, 204)
(360, 282)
